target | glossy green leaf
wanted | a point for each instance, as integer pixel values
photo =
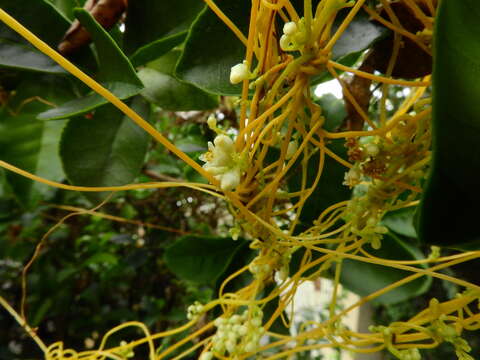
(115, 72)
(66, 7)
(106, 150)
(28, 143)
(15, 54)
(156, 49)
(401, 222)
(333, 109)
(154, 27)
(87, 103)
(163, 89)
(359, 36)
(43, 19)
(365, 278)
(201, 259)
(449, 209)
(211, 49)
(40, 17)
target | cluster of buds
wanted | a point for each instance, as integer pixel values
(294, 35)
(238, 334)
(260, 268)
(194, 310)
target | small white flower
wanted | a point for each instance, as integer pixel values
(238, 73)
(222, 161)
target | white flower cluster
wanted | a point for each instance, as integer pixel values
(259, 268)
(294, 35)
(239, 334)
(194, 310)
(223, 162)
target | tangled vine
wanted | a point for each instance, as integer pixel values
(281, 130)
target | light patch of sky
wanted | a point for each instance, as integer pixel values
(329, 87)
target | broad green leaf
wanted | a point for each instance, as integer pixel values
(106, 150)
(365, 278)
(116, 73)
(201, 259)
(156, 49)
(163, 89)
(211, 49)
(401, 222)
(66, 7)
(40, 17)
(16, 54)
(82, 105)
(28, 143)
(333, 109)
(45, 21)
(359, 36)
(449, 209)
(154, 27)
(329, 190)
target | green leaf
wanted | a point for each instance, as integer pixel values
(45, 21)
(35, 15)
(329, 190)
(65, 7)
(156, 49)
(448, 213)
(116, 73)
(106, 150)
(201, 259)
(211, 49)
(153, 27)
(365, 278)
(80, 106)
(163, 89)
(401, 222)
(359, 36)
(28, 143)
(16, 54)
(334, 111)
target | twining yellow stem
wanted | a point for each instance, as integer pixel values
(119, 219)
(70, 67)
(377, 78)
(398, 30)
(344, 25)
(23, 324)
(150, 185)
